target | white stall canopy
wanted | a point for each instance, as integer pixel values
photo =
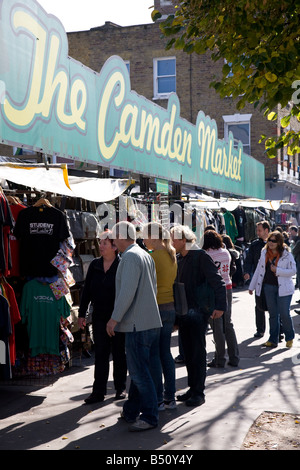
(55, 179)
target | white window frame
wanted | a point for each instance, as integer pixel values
(238, 119)
(157, 95)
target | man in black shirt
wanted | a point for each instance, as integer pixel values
(195, 267)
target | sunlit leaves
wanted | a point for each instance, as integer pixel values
(260, 42)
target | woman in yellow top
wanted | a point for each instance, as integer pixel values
(158, 241)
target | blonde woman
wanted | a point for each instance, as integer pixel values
(158, 242)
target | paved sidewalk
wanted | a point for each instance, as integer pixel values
(54, 417)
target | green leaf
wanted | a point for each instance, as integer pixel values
(155, 15)
(271, 77)
(285, 121)
(272, 116)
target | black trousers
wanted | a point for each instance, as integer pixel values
(104, 346)
(193, 328)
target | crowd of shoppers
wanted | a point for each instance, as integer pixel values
(130, 289)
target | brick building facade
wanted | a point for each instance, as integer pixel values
(140, 45)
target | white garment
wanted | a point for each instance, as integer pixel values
(286, 269)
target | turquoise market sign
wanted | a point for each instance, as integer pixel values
(53, 104)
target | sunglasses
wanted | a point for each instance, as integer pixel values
(272, 240)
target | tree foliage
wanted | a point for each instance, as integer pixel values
(259, 44)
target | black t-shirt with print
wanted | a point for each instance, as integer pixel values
(40, 230)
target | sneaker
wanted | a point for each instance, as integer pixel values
(161, 406)
(289, 343)
(170, 405)
(140, 425)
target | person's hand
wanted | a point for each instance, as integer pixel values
(81, 323)
(273, 268)
(246, 276)
(216, 314)
(250, 292)
(110, 327)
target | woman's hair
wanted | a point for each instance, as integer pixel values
(107, 235)
(281, 246)
(211, 239)
(227, 241)
(156, 231)
(183, 231)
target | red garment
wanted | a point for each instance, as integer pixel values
(15, 317)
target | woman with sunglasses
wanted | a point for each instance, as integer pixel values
(273, 274)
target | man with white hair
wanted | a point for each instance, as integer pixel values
(136, 313)
(195, 267)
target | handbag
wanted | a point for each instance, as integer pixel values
(261, 301)
(180, 301)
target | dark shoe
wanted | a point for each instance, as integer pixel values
(195, 401)
(184, 397)
(297, 311)
(297, 301)
(179, 359)
(213, 364)
(258, 335)
(120, 396)
(232, 364)
(94, 398)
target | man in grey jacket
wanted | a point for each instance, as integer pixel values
(136, 313)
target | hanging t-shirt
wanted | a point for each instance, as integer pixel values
(40, 230)
(15, 243)
(42, 313)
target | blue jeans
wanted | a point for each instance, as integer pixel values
(142, 353)
(167, 362)
(279, 310)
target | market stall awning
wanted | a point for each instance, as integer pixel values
(55, 179)
(231, 204)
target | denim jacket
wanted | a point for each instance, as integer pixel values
(286, 269)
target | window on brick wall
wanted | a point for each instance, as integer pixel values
(164, 77)
(239, 125)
